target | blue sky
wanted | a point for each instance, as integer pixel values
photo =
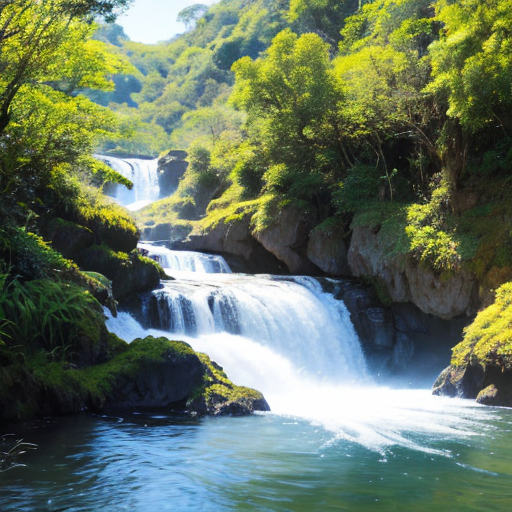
(150, 21)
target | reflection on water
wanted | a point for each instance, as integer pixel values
(152, 462)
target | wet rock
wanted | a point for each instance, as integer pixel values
(398, 340)
(220, 397)
(489, 385)
(460, 381)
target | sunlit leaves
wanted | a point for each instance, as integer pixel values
(472, 62)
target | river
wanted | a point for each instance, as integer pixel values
(333, 441)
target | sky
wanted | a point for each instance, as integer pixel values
(150, 21)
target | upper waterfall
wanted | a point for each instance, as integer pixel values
(144, 176)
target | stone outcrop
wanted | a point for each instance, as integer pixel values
(165, 231)
(171, 168)
(446, 296)
(287, 239)
(398, 340)
(328, 250)
(489, 385)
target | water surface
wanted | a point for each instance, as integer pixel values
(152, 461)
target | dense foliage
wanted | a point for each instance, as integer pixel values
(488, 339)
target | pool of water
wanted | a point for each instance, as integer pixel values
(153, 461)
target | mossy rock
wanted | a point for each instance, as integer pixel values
(68, 238)
(129, 273)
(219, 396)
(153, 372)
(481, 365)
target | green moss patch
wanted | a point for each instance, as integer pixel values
(218, 395)
(488, 340)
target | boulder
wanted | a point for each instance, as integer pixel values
(167, 232)
(367, 257)
(149, 372)
(128, 273)
(156, 372)
(443, 296)
(220, 397)
(233, 240)
(489, 384)
(68, 238)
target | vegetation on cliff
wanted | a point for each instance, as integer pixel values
(342, 108)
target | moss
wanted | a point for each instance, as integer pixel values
(148, 261)
(232, 213)
(488, 340)
(388, 221)
(88, 207)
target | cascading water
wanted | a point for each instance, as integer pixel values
(185, 262)
(296, 344)
(144, 176)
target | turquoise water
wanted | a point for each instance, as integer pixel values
(154, 462)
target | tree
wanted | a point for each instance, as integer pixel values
(191, 14)
(472, 64)
(472, 73)
(31, 35)
(292, 99)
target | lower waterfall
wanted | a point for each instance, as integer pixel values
(287, 338)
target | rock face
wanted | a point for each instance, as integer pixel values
(405, 280)
(328, 251)
(287, 240)
(398, 340)
(171, 168)
(489, 385)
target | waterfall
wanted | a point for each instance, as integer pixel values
(185, 262)
(292, 317)
(144, 176)
(296, 344)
